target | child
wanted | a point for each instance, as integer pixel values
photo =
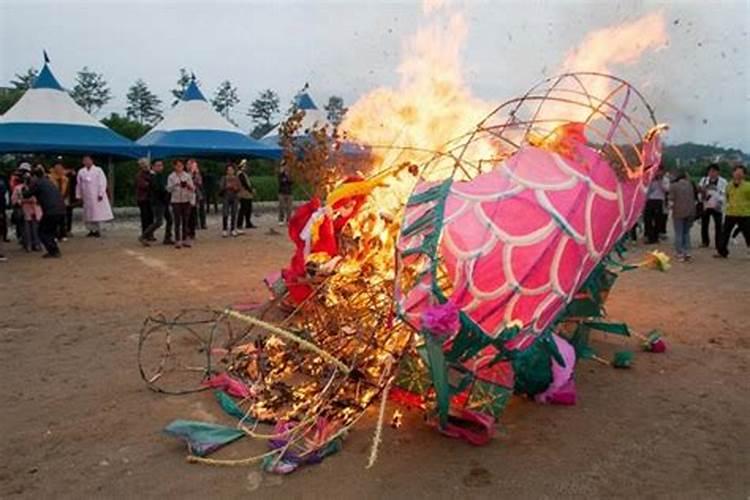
(229, 188)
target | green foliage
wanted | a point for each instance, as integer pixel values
(267, 188)
(335, 110)
(91, 91)
(24, 81)
(143, 105)
(265, 108)
(182, 83)
(8, 98)
(125, 126)
(695, 158)
(225, 99)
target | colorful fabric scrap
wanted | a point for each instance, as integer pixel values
(202, 438)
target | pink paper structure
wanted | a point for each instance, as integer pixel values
(519, 241)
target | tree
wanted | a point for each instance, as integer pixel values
(91, 91)
(126, 127)
(225, 99)
(182, 84)
(262, 111)
(264, 108)
(24, 81)
(143, 105)
(336, 110)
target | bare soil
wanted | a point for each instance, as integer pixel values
(77, 421)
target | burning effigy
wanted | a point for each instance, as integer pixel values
(467, 262)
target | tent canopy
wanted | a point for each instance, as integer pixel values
(194, 128)
(314, 118)
(47, 120)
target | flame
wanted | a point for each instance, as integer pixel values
(431, 105)
(621, 44)
(600, 50)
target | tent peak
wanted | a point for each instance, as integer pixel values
(304, 101)
(46, 80)
(192, 92)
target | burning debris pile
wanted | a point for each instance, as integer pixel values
(468, 261)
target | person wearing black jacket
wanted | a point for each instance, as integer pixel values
(3, 206)
(53, 210)
(246, 195)
(159, 198)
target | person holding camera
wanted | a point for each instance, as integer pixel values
(28, 211)
(182, 191)
(48, 196)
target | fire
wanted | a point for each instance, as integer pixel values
(600, 50)
(431, 105)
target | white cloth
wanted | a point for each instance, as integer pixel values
(92, 184)
(714, 195)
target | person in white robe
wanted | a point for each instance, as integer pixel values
(91, 189)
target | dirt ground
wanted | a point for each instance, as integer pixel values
(78, 422)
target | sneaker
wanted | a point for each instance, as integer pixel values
(239, 232)
(52, 255)
(90, 234)
(235, 233)
(64, 238)
(719, 256)
(3, 258)
(144, 241)
(224, 234)
(168, 242)
(282, 223)
(187, 243)
(151, 239)
(178, 245)
(97, 234)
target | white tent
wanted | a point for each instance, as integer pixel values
(194, 128)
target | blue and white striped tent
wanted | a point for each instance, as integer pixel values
(194, 128)
(314, 118)
(47, 120)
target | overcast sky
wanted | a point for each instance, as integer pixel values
(699, 83)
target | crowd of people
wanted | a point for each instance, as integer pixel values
(713, 199)
(42, 204)
(42, 201)
(181, 200)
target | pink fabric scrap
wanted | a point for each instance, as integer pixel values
(562, 390)
(229, 385)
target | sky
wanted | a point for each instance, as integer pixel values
(699, 83)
